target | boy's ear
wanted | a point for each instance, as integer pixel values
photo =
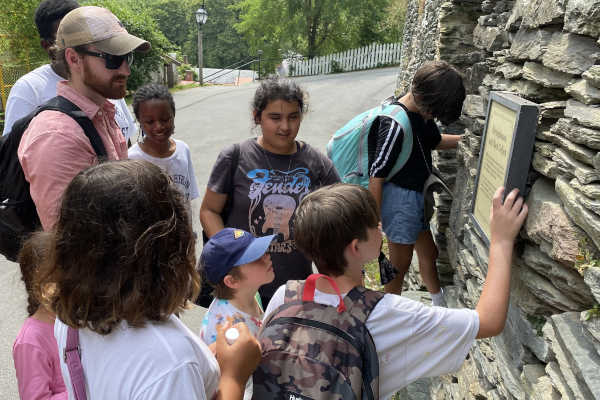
(231, 282)
(352, 248)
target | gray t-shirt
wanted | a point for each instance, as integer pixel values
(267, 188)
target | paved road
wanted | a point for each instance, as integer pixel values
(208, 119)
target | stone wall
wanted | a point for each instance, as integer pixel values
(546, 51)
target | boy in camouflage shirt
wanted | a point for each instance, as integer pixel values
(338, 228)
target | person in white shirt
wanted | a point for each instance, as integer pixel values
(121, 266)
(412, 340)
(154, 109)
(38, 86)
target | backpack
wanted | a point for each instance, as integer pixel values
(316, 351)
(18, 216)
(348, 147)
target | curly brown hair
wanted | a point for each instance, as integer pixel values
(31, 256)
(122, 249)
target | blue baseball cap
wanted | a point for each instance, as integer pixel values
(230, 248)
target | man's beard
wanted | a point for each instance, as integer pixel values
(108, 89)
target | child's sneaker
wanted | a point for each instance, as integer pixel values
(437, 299)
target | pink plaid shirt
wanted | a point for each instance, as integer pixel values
(54, 149)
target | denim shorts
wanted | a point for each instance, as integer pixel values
(402, 214)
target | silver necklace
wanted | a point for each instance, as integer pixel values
(268, 158)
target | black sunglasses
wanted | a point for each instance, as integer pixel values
(111, 61)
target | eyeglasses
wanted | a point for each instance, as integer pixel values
(111, 61)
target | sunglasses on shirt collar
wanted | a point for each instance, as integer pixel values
(110, 60)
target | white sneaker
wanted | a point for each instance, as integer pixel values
(437, 299)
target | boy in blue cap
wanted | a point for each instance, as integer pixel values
(236, 264)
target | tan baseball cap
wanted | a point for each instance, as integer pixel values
(97, 26)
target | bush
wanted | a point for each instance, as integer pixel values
(182, 68)
(19, 40)
(336, 68)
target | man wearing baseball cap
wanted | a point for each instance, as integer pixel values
(38, 86)
(97, 52)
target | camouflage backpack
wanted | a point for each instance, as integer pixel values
(316, 351)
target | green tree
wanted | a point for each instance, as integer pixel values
(19, 40)
(310, 27)
(223, 45)
(392, 25)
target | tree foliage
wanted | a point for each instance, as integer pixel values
(311, 27)
(393, 22)
(223, 45)
(20, 42)
(235, 30)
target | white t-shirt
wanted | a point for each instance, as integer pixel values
(178, 166)
(38, 86)
(413, 341)
(159, 361)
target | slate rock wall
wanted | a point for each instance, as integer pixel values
(547, 51)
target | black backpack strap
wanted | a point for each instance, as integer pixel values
(59, 103)
(360, 302)
(235, 158)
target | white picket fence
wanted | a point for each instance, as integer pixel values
(371, 56)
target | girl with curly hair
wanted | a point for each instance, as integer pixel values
(121, 265)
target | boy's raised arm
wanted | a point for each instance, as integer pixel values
(506, 221)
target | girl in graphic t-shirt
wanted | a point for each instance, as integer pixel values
(35, 352)
(256, 185)
(154, 109)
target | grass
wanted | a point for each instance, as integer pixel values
(177, 88)
(372, 279)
